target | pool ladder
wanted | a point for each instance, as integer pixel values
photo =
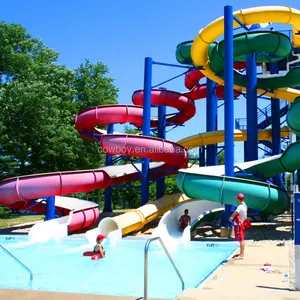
(20, 263)
(146, 264)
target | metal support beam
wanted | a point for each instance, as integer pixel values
(50, 208)
(202, 156)
(108, 191)
(297, 239)
(298, 170)
(252, 132)
(160, 184)
(146, 126)
(276, 138)
(229, 105)
(211, 120)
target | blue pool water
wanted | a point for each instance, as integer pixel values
(61, 266)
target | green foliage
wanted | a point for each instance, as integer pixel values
(92, 86)
(221, 158)
(39, 100)
(288, 180)
(131, 130)
(18, 52)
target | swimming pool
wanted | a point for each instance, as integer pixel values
(61, 266)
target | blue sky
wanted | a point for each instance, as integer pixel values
(122, 33)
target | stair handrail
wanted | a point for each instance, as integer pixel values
(146, 264)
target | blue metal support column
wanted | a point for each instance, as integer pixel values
(146, 126)
(275, 111)
(50, 208)
(211, 120)
(160, 184)
(202, 156)
(245, 150)
(252, 132)
(297, 239)
(298, 170)
(108, 191)
(229, 105)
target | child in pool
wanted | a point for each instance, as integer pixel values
(98, 247)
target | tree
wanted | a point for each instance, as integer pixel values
(288, 180)
(18, 50)
(38, 103)
(221, 158)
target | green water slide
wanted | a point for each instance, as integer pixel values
(268, 198)
(269, 46)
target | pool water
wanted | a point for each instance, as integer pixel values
(60, 266)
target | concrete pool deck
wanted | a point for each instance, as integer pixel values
(235, 280)
(243, 279)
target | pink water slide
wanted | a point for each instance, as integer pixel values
(16, 193)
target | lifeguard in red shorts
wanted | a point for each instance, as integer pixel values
(239, 216)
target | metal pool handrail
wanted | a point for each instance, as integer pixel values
(146, 264)
(19, 262)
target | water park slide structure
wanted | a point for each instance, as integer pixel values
(20, 190)
(276, 200)
(133, 221)
(210, 183)
(17, 193)
(268, 198)
(15, 189)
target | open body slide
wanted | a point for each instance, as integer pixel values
(168, 227)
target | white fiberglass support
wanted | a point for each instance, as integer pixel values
(168, 227)
(108, 227)
(91, 235)
(58, 228)
(52, 229)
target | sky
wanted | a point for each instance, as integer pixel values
(121, 34)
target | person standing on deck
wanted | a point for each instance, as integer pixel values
(239, 216)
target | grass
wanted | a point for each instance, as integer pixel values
(120, 211)
(7, 219)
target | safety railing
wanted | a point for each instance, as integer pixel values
(146, 264)
(20, 263)
(263, 116)
(267, 111)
